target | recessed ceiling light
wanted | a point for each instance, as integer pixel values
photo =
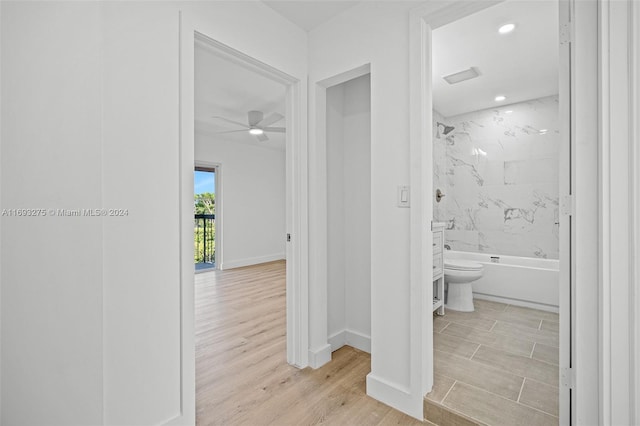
(256, 131)
(500, 98)
(506, 28)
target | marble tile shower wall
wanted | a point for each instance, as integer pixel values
(499, 169)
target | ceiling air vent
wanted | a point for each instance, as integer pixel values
(457, 77)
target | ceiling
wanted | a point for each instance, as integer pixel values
(230, 90)
(521, 65)
(308, 14)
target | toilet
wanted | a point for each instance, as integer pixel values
(459, 274)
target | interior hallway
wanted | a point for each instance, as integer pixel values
(242, 376)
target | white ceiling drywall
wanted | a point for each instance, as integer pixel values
(226, 89)
(308, 14)
(521, 65)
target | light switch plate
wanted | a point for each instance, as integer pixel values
(403, 196)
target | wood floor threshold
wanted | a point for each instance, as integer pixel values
(441, 415)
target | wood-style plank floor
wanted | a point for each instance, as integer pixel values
(242, 376)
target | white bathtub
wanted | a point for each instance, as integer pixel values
(522, 281)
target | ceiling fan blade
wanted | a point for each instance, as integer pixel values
(262, 137)
(231, 131)
(231, 121)
(254, 117)
(275, 129)
(270, 119)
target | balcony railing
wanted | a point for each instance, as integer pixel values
(204, 232)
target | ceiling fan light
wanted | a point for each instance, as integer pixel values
(506, 29)
(256, 131)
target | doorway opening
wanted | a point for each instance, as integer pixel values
(245, 123)
(497, 154)
(205, 222)
(348, 171)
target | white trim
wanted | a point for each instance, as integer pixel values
(318, 330)
(584, 236)
(319, 357)
(338, 340)
(345, 76)
(604, 219)
(252, 261)
(584, 147)
(232, 55)
(194, 28)
(422, 20)
(351, 338)
(396, 396)
(617, 220)
(297, 225)
(187, 269)
(634, 58)
(421, 212)
(358, 340)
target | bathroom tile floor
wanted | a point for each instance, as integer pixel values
(495, 366)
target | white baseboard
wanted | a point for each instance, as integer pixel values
(395, 396)
(319, 357)
(350, 338)
(251, 261)
(338, 340)
(517, 302)
(358, 340)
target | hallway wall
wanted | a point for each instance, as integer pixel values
(91, 306)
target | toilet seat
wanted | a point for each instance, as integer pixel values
(462, 265)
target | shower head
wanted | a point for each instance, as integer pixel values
(446, 129)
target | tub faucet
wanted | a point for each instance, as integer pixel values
(447, 246)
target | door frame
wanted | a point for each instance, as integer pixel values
(193, 29)
(216, 168)
(584, 261)
(319, 346)
(423, 20)
(618, 164)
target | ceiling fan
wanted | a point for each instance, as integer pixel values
(257, 124)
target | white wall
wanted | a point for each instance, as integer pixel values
(51, 266)
(349, 213)
(252, 199)
(375, 33)
(91, 91)
(336, 263)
